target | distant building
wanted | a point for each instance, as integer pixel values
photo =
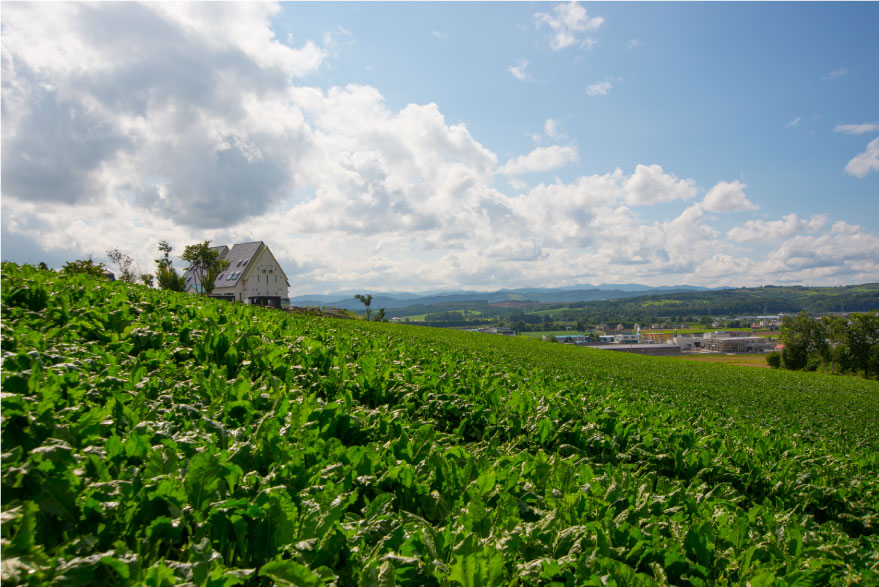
(738, 344)
(496, 330)
(253, 276)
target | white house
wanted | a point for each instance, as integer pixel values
(253, 276)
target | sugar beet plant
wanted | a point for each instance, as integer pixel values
(154, 438)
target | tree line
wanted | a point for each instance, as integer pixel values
(835, 344)
(204, 264)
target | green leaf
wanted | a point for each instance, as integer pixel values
(24, 517)
(478, 569)
(203, 480)
(288, 573)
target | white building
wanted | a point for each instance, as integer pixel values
(253, 276)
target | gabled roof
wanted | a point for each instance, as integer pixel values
(239, 257)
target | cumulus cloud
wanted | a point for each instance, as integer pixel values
(868, 161)
(599, 88)
(136, 99)
(728, 196)
(651, 185)
(540, 159)
(127, 124)
(775, 230)
(567, 24)
(857, 129)
(519, 72)
(551, 129)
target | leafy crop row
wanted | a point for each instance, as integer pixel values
(158, 438)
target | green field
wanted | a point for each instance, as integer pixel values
(161, 439)
(750, 360)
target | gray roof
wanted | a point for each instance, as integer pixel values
(238, 256)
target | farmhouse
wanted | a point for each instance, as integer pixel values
(253, 276)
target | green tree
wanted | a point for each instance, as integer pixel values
(204, 264)
(366, 300)
(773, 359)
(862, 340)
(166, 276)
(124, 265)
(147, 279)
(803, 336)
(380, 316)
(87, 266)
(835, 328)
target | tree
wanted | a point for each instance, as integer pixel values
(862, 340)
(204, 264)
(124, 265)
(835, 327)
(147, 279)
(366, 300)
(86, 266)
(802, 336)
(380, 317)
(166, 276)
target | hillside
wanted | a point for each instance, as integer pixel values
(160, 438)
(634, 307)
(409, 303)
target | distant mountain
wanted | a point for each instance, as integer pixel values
(574, 293)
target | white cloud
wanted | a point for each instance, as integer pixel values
(551, 129)
(126, 124)
(567, 23)
(794, 122)
(440, 35)
(145, 108)
(728, 196)
(599, 88)
(540, 159)
(857, 129)
(633, 44)
(651, 185)
(775, 230)
(836, 73)
(861, 165)
(519, 72)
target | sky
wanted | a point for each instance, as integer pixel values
(439, 146)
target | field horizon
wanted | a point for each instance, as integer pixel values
(157, 437)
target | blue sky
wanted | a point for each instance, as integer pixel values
(422, 146)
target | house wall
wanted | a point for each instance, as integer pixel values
(265, 278)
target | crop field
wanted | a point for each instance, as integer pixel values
(161, 439)
(750, 360)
